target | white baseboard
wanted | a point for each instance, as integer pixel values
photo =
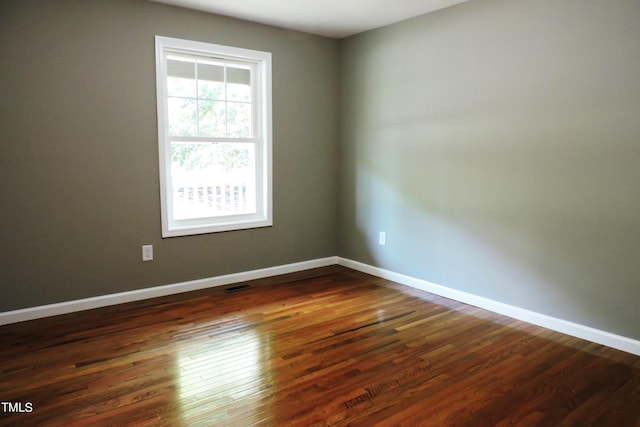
(580, 331)
(158, 291)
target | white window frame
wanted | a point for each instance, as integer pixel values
(262, 136)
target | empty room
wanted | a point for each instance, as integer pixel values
(286, 212)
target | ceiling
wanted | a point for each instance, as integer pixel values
(330, 18)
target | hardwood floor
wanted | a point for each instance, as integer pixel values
(325, 347)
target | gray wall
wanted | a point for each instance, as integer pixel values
(79, 158)
(497, 143)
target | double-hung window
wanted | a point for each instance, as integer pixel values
(214, 131)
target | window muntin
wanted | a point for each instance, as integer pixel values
(214, 126)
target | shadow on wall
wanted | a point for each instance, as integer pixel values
(523, 219)
(497, 145)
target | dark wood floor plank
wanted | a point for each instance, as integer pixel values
(329, 346)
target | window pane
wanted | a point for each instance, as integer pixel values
(238, 84)
(212, 179)
(238, 120)
(181, 78)
(211, 118)
(182, 117)
(210, 81)
(239, 75)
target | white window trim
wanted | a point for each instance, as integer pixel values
(264, 215)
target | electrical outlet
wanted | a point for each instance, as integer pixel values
(382, 238)
(147, 252)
